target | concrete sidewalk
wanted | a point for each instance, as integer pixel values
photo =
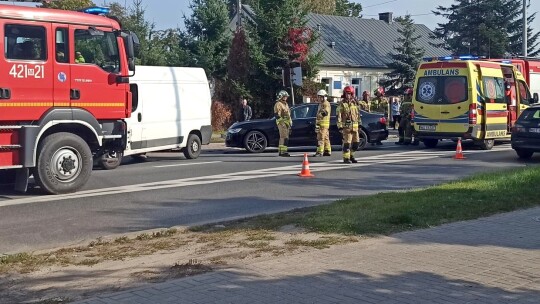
(491, 260)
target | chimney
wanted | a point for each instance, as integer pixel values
(386, 17)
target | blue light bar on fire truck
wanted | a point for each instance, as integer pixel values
(96, 10)
(446, 58)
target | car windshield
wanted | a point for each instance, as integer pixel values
(442, 90)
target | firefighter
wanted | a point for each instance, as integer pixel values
(406, 108)
(348, 119)
(322, 125)
(282, 114)
(79, 58)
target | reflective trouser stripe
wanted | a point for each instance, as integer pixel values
(282, 148)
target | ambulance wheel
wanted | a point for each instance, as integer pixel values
(110, 160)
(431, 143)
(524, 154)
(64, 163)
(486, 144)
(193, 148)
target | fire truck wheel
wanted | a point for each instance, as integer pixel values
(64, 163)
(193, 147)
(110, 160)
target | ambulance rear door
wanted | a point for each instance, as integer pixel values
(494, 108)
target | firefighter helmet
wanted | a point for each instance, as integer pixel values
(282, 94)
(321, 93)
(348, 90)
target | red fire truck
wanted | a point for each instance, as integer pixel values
(529, 67)
(63, 95)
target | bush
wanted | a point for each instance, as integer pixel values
(222, 116)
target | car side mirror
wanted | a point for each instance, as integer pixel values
(535, 98)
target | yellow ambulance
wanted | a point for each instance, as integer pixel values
(469, 98)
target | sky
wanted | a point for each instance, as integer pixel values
(168, 13)
(419, 9)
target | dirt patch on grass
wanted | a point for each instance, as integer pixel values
(118, 263)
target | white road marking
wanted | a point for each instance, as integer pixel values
(399, 157)
(190, 164)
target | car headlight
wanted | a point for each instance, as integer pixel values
(233, 131)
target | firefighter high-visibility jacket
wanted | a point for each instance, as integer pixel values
(323, 115)
(348, 115)
(282, 113)
(406, 108)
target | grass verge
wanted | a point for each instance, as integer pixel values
(216, 137)
(385, 213)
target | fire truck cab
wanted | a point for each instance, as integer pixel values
(64, 93)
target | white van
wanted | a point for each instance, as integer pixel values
(171, 110)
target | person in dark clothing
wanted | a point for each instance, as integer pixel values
(245, 112)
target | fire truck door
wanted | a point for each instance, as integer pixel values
(26, 92)
(62, 70)
(95, 65)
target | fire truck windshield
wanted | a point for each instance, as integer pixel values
(99, 48)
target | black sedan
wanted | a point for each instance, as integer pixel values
(526, 132)
(256, 135)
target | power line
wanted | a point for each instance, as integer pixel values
(379, 4)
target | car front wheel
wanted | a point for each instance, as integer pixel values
(255, 142)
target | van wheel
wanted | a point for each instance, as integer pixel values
(363, 140)
(193, 148)
(486, 144)
(524, 154)
(110, 160)
(431, 143)
(64, 163)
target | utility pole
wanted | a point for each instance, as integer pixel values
(239, 13)
(524, 28)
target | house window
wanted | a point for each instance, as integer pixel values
(337, 85)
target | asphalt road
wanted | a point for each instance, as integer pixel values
(167, 190)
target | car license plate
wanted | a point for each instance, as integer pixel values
(427, 127)
(534, 130)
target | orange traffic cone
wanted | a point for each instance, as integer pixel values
(459, 151)
(305, 168)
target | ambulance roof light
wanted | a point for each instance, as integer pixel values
(446, 58)
(96, 10)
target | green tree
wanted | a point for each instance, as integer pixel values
(348, 9)
(209, 35)
(405, 60)
(71, 5)
(488, 28)
(516, 33)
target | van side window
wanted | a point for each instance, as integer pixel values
(62, 45)
(25, 42)
(524, 93)
(97, 47)
(494, 89)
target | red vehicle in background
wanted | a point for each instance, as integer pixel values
(63, 95)
(529, 67)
